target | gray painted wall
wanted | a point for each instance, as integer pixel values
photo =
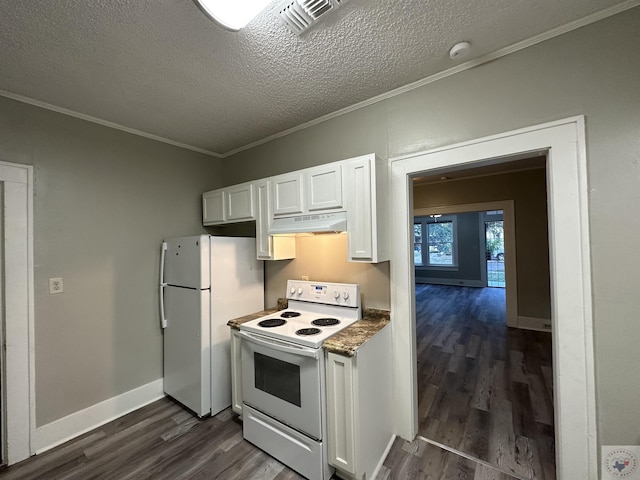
(103, 202)
(584, 72)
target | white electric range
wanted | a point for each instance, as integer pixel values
(316, 311)
(283, 373)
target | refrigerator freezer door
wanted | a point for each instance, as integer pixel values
(187, 356)
(187, 262)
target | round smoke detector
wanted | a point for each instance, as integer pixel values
(459, 50)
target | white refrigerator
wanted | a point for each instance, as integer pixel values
(204, 282)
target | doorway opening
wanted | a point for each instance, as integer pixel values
(18, 394)
(481, 384)
(563, 142)
(494, 248)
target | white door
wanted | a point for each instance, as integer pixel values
(187, 362)
(187, 262)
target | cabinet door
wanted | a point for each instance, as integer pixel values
(359, 213)
(267, 246)
(263, 217)
(340, 412)
(239, 202)
(324, 187)
(287, 194)
(236, 373)
(213, 207)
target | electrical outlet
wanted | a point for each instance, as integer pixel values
(305, 278)
(55, 286)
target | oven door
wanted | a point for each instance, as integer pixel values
(283, 380)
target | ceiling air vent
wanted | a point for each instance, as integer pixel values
(299, 15)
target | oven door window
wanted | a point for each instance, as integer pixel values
(278, 378)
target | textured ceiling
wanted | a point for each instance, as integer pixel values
(162, 68)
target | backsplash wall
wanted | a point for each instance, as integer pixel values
(324, 258)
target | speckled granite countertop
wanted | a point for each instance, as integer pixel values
(347, 341)
(236, 322)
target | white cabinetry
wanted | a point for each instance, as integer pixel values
(324, 187)
(359, 408)
(269, 247)
(213, 207)
(313, 190)
(236, 372)
(367, 209)
(228, 205)
(358, 186)
(288, 194)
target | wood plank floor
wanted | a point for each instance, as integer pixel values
(484, 389)
(162, 441)
(422, 460)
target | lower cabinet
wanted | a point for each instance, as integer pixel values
(359, 413)
(236, 372)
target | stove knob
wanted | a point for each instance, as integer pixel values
(300, 291)
(293, 290)
(345, 295)
(336, 295)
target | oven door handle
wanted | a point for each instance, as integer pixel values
(281, 346)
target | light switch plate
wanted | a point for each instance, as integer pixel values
(55, 286)
(620, 461)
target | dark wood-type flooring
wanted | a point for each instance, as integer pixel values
(162, 441)
(484, 389)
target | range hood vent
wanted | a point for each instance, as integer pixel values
(299, 15)
(313, 223)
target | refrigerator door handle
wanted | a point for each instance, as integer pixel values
(163, 320)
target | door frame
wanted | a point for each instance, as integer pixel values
(19, 310)
(564, 144)
(510, 268)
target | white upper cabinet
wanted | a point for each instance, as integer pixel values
(213, 210)
(367, 209)
(269, 247)
(358, 186)
(228, 205)
(239, 202)
(324, 187)
(288, 196)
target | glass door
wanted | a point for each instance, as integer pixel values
(494, 241)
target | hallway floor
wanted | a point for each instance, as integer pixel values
(484, 389)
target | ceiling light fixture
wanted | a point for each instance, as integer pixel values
(231, 14)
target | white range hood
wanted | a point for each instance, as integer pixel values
(310, 223)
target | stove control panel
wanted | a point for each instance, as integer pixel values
(345, 294)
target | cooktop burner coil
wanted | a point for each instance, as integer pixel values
(308, 331)
(272, 322)
(325, 322)
(290, 314)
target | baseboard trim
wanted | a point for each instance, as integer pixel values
(66, 428)
(383, 458)
(533, 323)
(451, 282)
